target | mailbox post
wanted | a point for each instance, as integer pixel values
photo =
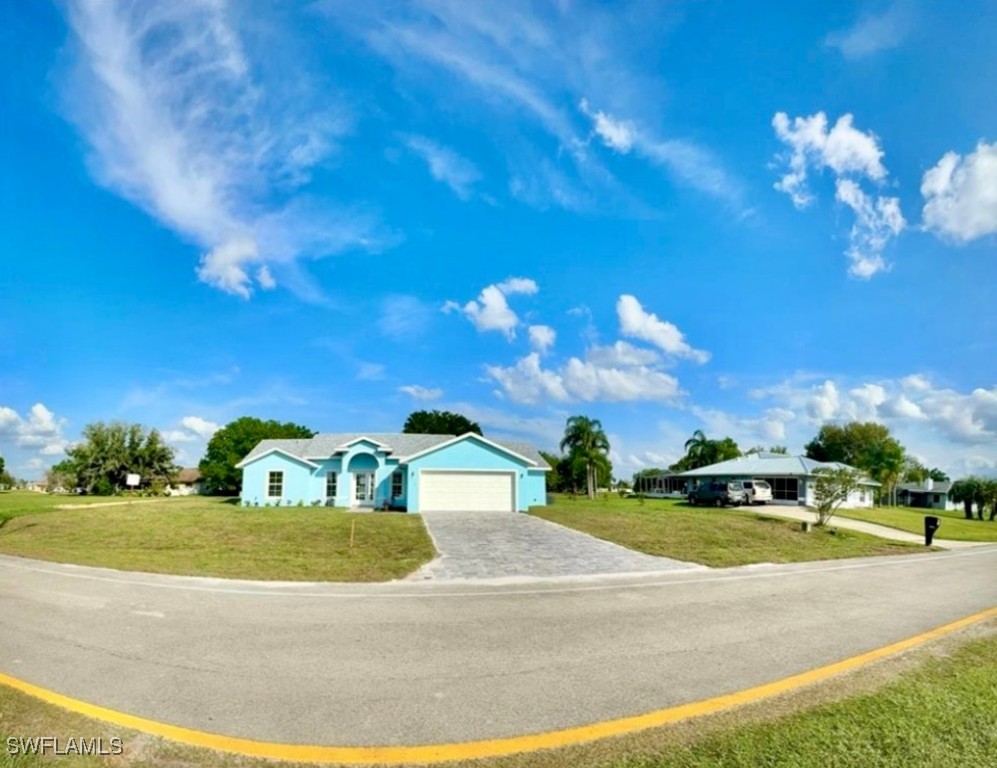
(931, 524)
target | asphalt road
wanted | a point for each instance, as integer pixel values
(410, 663)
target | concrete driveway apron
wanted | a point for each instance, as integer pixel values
(504, 545)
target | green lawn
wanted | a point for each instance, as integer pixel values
(954, 525)
(929, 708)
(716, 537)
(16, 503)
(199, 536)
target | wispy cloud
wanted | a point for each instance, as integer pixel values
(686, 161)
(874, 32)
(446, 166)
(181, 124)
(418, 392)
(529, 65)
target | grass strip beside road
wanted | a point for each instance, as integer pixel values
(954, 525)
(718, 538)
(931, 707)
(198, 536)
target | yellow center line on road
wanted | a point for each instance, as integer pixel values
(438, 753)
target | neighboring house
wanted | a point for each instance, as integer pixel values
(40, 486)
(662, 485)
(791, 477)
(926, 495)
(188, 482)
(417, 473)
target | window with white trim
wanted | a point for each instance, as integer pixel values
(275, 485)
(397, 478)
(330, 484)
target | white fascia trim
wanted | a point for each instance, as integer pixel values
(354, 441)
(471, 436)
(302, 459)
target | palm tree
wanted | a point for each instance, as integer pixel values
(699, 450)
(964, 492)
(587, 446)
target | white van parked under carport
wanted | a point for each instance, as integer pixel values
(756, 491)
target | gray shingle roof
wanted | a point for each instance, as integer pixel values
(398, 445)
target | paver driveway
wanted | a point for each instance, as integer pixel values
(491, 545)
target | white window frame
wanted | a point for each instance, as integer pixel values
(334, 476)
(398, 476)
(270, 483)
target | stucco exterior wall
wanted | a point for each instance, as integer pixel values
(305, 481)
(473, 454)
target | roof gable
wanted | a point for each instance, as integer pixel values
(476, 438)
(254, 456)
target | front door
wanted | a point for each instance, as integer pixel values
(364, 489)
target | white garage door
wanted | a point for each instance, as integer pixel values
(442, 491)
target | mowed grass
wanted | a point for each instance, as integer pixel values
(929, 708)
(954, 525)
(719, 538)
(198, 536)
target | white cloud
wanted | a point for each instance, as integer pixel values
(964, 418)
(843, 149)
(872, 33)
(771, 427)
(421, 393)
(203, 428)
(542, 338)
(621, 353)
(961, 194)
(615, 134)
(690, 163)
(528, 382)
(192, 429)
(40, 430)
(446, 166)
(875, 225)
(178, 436)
(491, 311)
(181, 124)
(264, 279)
(851, 155)
(525, 65)
(582, 381)
(637, 323)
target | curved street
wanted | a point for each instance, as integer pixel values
(411, 663)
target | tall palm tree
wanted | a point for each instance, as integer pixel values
(587, 445)
(699, 450)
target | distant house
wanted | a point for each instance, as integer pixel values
(661, 485)
(927, 495)
(792, 477)
(417, 473)
(188, 482)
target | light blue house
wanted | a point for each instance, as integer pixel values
(414, 472)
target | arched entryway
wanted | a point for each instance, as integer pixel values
(363, 469)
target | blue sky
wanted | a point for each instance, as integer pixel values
(746, 218)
